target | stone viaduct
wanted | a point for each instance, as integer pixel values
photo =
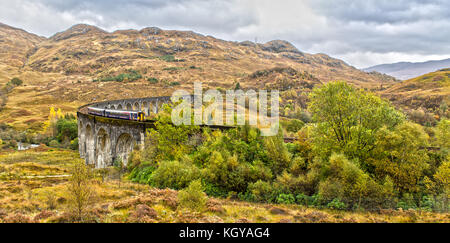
(104, 140)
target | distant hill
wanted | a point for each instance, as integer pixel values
(178, 56)
(428, 91)
(86, 64)
(15, 45)
(408, 70)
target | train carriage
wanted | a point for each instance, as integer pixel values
(117, 114)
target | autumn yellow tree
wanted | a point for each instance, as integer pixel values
(400, 154)
(442, 178)
(80, 190)
(50, 124)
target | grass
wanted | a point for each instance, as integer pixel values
(173, 68)
(427, 91)
(28, 194)
(170, 58)
(130, 75)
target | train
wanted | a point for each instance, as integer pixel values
(117, 114)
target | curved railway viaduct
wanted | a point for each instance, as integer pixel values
(103, 140)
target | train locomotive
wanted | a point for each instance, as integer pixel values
(117, 114)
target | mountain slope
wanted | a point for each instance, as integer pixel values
(428, 91)
(166, 54)
(408, 70)
(71, 68)
(16, 45)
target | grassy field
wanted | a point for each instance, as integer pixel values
(33, 188)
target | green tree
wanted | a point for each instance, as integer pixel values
(237, 86)
(401, 155)
(80, 189)
(347, 119)
(67, 129)
(193, 197)
(442, 178)
(442, 132)
(167, 141)
(278, 154)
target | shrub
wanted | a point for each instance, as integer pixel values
(316, 200)
(193, 197)
(142, 175)
(337, 204)
(16, 81)
(153, 80)
(173, 68)
(168, 58)
(13, 143)
(427, 203)
(130, 75)
(74, 144)
(407, 202)
(237, 86)
(174, 174)
(366, 165)
(304, 200)
(50, 199)
(294, 126)
(215, 190)
(262, 191)
(305, 117)
(80, 189)
(421, 116)
(346, 181)
(279, 156)
(286, 199)
(54, 144)
(174, 83)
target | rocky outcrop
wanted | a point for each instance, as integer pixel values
(77, 30)
(279, 46)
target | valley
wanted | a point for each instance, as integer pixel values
(359, 150)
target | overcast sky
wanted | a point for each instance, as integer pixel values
(362, 33)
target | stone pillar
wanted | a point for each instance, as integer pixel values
(155, 107)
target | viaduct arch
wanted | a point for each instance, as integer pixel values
(104, 140)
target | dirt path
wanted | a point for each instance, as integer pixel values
(45, 176)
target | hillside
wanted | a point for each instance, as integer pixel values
(62, 70)
(427, 91)
(16, 45)
(408, 70)
(179, 56)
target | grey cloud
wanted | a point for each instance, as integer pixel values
(202, 15)
(383, 11)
